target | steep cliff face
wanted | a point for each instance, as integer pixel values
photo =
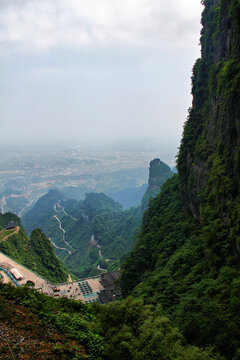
(187, 253)
(209, 157)
(159, 172)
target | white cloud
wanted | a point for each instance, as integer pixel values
(43, 25)
(47, 71)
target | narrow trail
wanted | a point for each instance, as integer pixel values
(63, 231)
(13, 233)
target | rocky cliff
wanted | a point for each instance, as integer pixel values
(209, 157)
(187, 254)
(159, 172)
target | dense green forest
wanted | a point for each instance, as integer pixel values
(187, 253)
(98, 233)
(34, 325)
(35, 252)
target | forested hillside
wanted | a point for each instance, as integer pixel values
(35, 252)
(187, 254)
(93, 234)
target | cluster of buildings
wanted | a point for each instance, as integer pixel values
(103, 288)
(111, 290)
(11, 225)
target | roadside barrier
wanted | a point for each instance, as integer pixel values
(12, 278)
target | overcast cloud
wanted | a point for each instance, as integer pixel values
(27, 25)
(96, 68)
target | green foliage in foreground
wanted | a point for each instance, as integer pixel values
(125, 329)
(68, 317)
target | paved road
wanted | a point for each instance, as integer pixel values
(63, 231)
(26, 273)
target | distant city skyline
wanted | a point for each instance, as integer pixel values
(96, 71)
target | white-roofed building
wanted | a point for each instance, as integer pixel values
(16, 274)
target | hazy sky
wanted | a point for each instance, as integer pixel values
(89, 70)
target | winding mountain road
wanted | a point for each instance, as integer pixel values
(63, 231)
(92, 243)
(63, 210)
(58, 247)
(101, 269)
